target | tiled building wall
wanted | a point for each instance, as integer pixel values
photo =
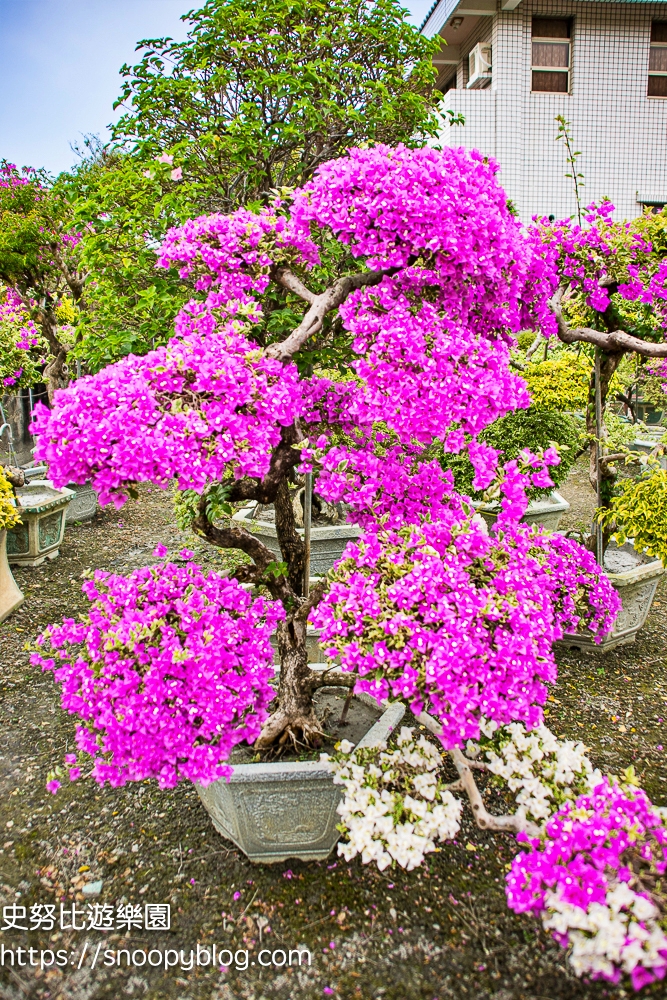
(621, 133)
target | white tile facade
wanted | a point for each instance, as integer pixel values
(622, 134)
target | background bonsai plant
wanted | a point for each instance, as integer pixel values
(609, 288)
(39, 262)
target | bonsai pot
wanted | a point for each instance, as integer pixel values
(546, 512)
(326, 543)
(276, 811)
(39, 536)
(83, 505)
(635, 576)
(11, 597)
(648, 443)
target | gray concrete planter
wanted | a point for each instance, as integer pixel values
(326, 543)
(547, 512)
(648, 444)
(284, 810)
(635, 576)
(39, 536)
(83, 505)
(11, 597)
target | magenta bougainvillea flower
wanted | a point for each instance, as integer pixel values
(460, 623)
(595, 878)
(168, 671)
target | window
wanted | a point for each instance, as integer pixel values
(657, 60)
(551, 55)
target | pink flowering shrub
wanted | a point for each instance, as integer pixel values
(459, 623)
(171, 668)
(18, 339)
(595, 877)
(168, 671)
(605, 256)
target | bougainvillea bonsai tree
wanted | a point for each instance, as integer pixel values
(171, 667)
(609, 297)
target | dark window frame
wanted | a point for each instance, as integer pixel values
(553, 32)
(656, 87)
(450, 84)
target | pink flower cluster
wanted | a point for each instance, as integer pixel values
(457, 622)
(592, 877)
(168, 671)
(233, 254)
(207, 401)
(12, 177)
(589, 257)
(13, 310)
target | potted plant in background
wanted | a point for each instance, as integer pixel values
(609, 302)
(533, 429)
(10, 595)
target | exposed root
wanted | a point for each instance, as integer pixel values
(291, 730)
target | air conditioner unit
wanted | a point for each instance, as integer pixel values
(479, 66)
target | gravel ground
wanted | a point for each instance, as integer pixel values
(441, 932)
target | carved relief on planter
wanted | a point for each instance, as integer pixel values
(635, 576)
(83, 505)
(40, 534)
(284, 810)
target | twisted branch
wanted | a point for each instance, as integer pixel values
(614, 342)
(320, 305)
(483, 818)
(236, 537)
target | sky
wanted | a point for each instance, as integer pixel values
(59, 68)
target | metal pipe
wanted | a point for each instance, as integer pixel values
(307, 519)
(599, 429)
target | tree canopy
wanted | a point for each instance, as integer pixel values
(260, 94)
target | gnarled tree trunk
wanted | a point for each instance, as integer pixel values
(294, 720)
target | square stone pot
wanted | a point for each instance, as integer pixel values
(11, 597)
(635, 577)
(276, 811)
(83, 505)
(648, 444)
(326, 543)
(546, 512)
(39, 536)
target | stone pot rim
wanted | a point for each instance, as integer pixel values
(64, 496)
(645, 571)
(313, 769)
(554, 502)
(328, 531)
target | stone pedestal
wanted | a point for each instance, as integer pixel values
(11, 597)
(39, 536)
